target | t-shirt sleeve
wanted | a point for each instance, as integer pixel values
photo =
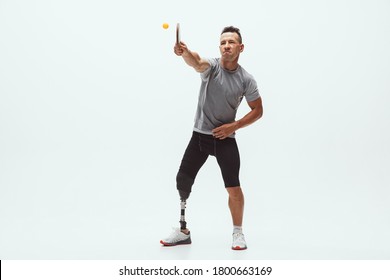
(212, 61)
(252, 91)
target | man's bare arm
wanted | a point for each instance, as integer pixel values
(256, 113)
(191, 58)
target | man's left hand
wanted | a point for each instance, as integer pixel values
(225, 130)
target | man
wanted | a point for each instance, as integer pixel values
(223, 85)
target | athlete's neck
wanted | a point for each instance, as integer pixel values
(229, 65)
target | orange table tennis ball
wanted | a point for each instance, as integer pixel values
(165, 25)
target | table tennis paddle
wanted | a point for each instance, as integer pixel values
(177, 33)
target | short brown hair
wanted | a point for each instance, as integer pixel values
(233, 30)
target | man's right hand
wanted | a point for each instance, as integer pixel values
(180, 48)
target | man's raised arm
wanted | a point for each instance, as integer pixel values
(191, 58)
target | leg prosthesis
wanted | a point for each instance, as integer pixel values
(184, 185)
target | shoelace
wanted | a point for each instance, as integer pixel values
(238, 237)
(175, 234)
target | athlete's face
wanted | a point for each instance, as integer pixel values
(230, 46)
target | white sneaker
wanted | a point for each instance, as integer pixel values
(238, 241)
(177, 237)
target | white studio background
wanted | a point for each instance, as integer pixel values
(96, 111)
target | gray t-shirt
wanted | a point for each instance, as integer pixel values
(221, 92)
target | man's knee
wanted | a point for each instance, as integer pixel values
(235, 192)
(184, 184)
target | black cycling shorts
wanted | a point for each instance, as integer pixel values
(225, 151)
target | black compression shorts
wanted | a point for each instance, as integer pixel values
(225, 151)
